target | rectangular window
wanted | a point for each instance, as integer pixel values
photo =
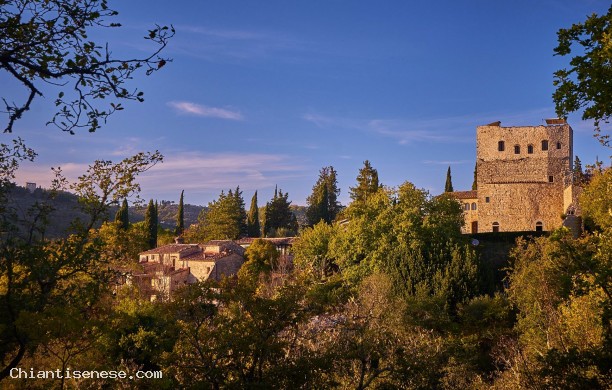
(487, 199)
(500, 146)
(551, 179)
(517, 149)
(544, 144)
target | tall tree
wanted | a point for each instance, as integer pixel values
(586, 83)
(242, 215)
(475, 182)
(578, 174)
(367, 183)
(253, 226)
(323, 203)
(278, 216)
(46, 43)
(448, 187)
(122, 216)
(225, 218)
(180, 217)
(151, 224)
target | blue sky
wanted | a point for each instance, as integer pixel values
(266, 93)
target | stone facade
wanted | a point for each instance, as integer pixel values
(523, 178)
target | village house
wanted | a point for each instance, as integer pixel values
(168, 267)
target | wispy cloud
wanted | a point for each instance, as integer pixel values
(451, 129)
(231, 45)
(198, 173)
(190, 108)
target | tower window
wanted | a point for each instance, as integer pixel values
(529, 149)
(551, 179)
(544, 144)
(501, 146)
(558, 145)
(495, 227)
(517, 149)
(487, 199)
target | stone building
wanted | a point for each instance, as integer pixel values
(168, 267)
(524, 178)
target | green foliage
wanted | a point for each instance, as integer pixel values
(367, 183)
(253, 225)
(278, 217)
(323, 203)
(585, 84)
(46, 42)
(122, 216)
(261, 258)
(180, 217)
(71, 273)
(448, 186)
(312, 251)
(225, 219)
(561, 287)
(475, 182)
(596, 198)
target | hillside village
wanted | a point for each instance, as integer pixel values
(396, 284)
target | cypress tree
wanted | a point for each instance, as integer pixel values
(279, 215)
(151, 225)
(449, 182)
(253, 226)
(323, 202)
(241, 214)
(475, 182)
(180, 217)
(122, 216)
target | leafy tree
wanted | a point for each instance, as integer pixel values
(180, 217)
(37, 276)
(448, 187)
(225, 218)
(596, 199)
(278, 216)
(46, 42)
(261, 259)
(151, 225)
(312, 251)
(475, 182)
(253, 226)
(586, 83)
(323, 202)
(367, 183)
(122, 216)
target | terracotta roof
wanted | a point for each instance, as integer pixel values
(201, 256)
(465, 194)
(170, 248)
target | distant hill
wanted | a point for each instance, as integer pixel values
(167, 212)
(67, 209)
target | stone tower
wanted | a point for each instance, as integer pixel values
(524, 176)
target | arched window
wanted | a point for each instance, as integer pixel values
(517, 149)
(544, 144)
(473, 205)
(495, 227)
(501, 146)
(466, 206)
(529, 149)
(558, 145)
(539, 226)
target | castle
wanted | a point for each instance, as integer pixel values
(523, 178)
